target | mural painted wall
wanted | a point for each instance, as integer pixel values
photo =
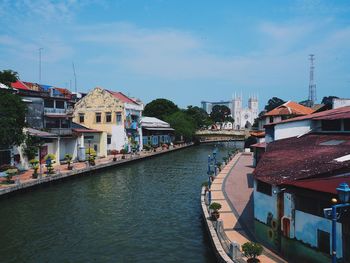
(306, 226)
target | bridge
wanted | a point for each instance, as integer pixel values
(207, 136)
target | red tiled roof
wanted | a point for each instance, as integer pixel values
(290, 108)
(19, 85)
(259, 134)
(334, 114)
(259, 145)
(122, 97)
(325, 185)
(292, 159)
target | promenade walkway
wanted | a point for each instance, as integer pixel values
(25, 180)
(233, 189)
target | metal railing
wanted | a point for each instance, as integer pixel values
(61, 131)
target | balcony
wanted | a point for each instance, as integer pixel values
(54, 111)
(61, 131)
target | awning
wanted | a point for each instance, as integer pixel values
(41, 134)
(158, 129)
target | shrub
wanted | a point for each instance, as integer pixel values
(10, 173)
(252, 250)
(90, 151)
(51, 156)
(5, 167)
(205, 184)
(114, 152)
(147, 147)
(123, 151)
(215, 206)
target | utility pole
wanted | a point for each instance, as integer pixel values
(312, 86)
(75, 79)
(40, 64)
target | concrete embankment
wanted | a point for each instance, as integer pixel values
(29, 183)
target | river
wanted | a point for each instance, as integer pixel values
(148, 211)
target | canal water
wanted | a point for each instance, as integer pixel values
(147, 211)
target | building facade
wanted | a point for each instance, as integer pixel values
(114, 113)
(156, 132)
(243, 116)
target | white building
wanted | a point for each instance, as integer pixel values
(242, 115)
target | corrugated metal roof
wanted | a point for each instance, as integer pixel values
(292, 159)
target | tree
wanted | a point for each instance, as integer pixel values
(160, 108)
(12, 119)
(199, 116)
(8, 76)
(183, 125)
(274, 102)
(328, 100)
(220, 113)
(250, 141)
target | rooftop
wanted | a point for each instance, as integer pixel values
(309, 156)
(122, 97)
(290, 108)
(334, 114)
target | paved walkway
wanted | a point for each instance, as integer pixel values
(233, 189)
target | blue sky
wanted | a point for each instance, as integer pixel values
(182, 50)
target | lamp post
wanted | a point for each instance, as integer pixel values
(344, 196)
(210, 160)
(89, 141)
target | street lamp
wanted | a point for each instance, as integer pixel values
(210, 160)
(344, 196)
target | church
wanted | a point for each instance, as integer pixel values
(243, 116)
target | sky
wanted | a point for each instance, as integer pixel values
(183, 50)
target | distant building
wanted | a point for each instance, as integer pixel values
(243, 116)
(155, 132)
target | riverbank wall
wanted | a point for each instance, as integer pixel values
(88, 170)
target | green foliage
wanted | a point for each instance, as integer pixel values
(12, 119)
(215, 206)
(183, 125)
(220, 113)
(91, 152)
(8, 76)
(250, 141)
(31, 146)
(123, 151)
(35, 165)
(10, 173)
(68, 157)
(205, 184)
(273, 103)
(200, 117)
(160, 108)
(51, 156)
(252, 250)
(147, 147)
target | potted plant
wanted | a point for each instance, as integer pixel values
(68, 157)
(50, 159)
(91, 155)
(147, 147)
(218, 165)
(215, 207)
(225, 159)
(123, 152)
(206, 185)
(35, 165)
(9, 174)
(252, 250)
(114, 153)
(211, 175)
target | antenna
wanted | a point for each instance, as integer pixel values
(40, 64)
(312, 86)
(75, 78)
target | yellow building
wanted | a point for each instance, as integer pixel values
(113, 113)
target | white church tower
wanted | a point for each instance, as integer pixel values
(244, 116)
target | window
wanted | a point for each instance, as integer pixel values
(81, 117)
(346, 124)
(264, 188)
(109, 140)
(323, 241)
(271, 119)
(331, 125)
(59, 104)
(119, 117)
(311, 205)
(49, 103)
(108, 117)
(98, 117)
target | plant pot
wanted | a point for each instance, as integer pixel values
(70, 167)
(34, 175)
(253, 260)
(114, 159)
(215, 215)
(123, 157)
